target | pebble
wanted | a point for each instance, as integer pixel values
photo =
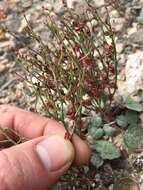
(2, 68)
(118, 23)
(137, 37)
(2, 34)
(119, 47)
(132, 30)
(134, 72)
(5, 44)
(132, 83)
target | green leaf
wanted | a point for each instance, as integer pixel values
(132, 116)
(96, 160)
(96, 120)
(122, 121)
(133, 139)
(133, 105)
(96, 133)
(108, 130)
(106, 149)
(140, 19)
(130, 119)
(133, 125)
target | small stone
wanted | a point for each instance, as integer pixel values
(111, 187)
(99, 3)
(2, 34)
(114, 14)
(137, 37)
(119, 47)
(118, 23)
(134, 72)
(133, 29)
(26, 3)
(23, 23)
(2, 68)
(5, 44)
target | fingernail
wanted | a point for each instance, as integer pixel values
(55, 152)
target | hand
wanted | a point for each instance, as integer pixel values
(39, 162)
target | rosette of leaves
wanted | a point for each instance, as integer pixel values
(102, 149)
(97, 129)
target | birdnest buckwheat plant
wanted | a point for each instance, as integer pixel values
(75, 75)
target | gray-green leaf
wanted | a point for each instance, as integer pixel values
(133, 139)
(132, 116)
(133, 105)
(108, 130)
(106, 149)
(96, 120)
(96, 160)
(140, 19)
(122, 121)
(96, 133)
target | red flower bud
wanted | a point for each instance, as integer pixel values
(67, 136)
(71, 115)
(111, 69)
(87, 62)
(86, 103)
(109, 49)
(76, 49)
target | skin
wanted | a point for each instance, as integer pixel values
(20, 166)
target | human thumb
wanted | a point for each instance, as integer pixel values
(35, 164)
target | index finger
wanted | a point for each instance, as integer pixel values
(28, 124)
(31, 125)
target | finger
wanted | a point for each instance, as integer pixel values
(31, 126)
(35, 164)
(28, 124)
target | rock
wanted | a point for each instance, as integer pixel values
(72, 3)
(13, 22)
(133, 29)
(134, 72)
(99, 3)
(26, 3)
(133, 85)
(121, 59)
(5, 44)
(118, 23)
(114, 14)
(119, 47)
(2, 68)
(137, 37)
(23, 23)
(2, 34)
